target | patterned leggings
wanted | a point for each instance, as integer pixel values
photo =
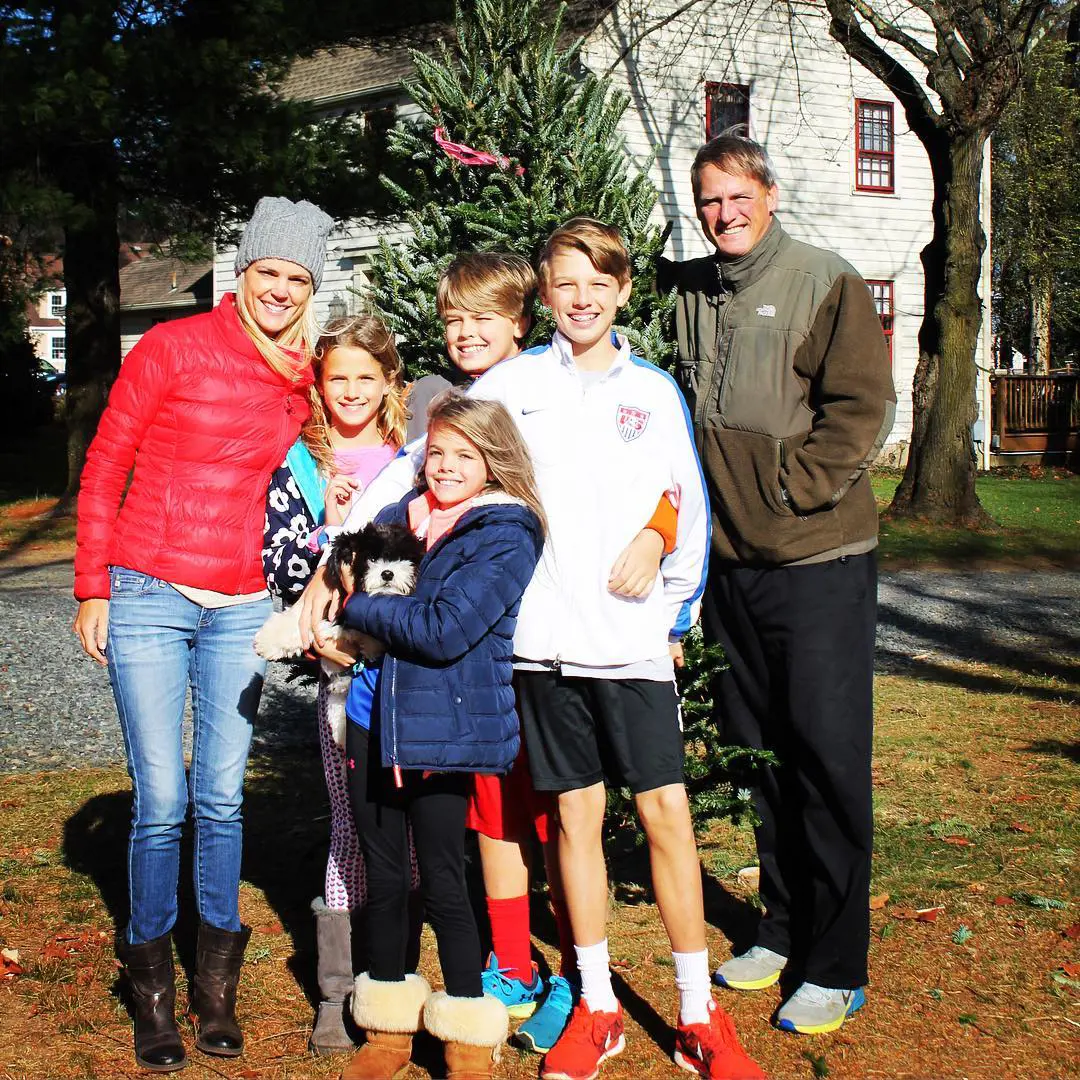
(346, 880)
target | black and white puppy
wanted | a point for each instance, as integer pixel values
(379, 559)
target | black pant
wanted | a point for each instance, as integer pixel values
(800, 642)
(435, 808)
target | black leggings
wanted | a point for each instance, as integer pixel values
(435, 807)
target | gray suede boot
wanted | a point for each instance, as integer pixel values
(333, 941)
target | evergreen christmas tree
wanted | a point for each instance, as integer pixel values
(514, 141)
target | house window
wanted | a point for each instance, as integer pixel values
(56, 305)
(58, 350)
(874, 146)
(882, 292)
(726, 104)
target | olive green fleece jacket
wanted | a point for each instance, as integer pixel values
(785, 368)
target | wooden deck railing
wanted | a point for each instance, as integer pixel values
(1035, 404)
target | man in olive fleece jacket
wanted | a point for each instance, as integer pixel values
(783, 361)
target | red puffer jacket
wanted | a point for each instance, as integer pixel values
(205, 421)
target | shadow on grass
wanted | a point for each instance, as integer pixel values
(1056, 748)
(285, 841)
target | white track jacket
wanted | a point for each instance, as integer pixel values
(604, 454)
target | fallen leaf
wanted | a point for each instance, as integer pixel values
(929, 914)
(1024, 798)
(904, 913)
(272, 928)
(9, 964)
(1020, 826)
(958, 841)
(879, 901)
(1072, 970)
(976, 887)
(1003, 901)
(54, 951)
(1072, 932)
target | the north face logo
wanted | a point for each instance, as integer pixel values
(631, 422)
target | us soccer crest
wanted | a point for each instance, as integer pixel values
(630, 422)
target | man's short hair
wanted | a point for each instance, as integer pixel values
(734, 153)
(488, 281)
(603, 244)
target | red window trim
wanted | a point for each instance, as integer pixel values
(888, 316)
(881, 155)
(743, 88)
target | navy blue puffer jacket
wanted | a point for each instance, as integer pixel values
(445, 701)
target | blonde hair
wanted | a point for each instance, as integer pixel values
(367, 332)
(603, 244)
(300, 335)
(732, 152)
(488, 281)
(489, 427)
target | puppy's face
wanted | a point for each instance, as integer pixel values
(397, 576)
(380, 559)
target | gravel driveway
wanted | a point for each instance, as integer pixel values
(56, 708)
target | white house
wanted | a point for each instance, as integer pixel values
(852, 177)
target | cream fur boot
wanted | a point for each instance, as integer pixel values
(390, 1013)
(473, 1031)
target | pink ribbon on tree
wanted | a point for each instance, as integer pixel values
(468, 156)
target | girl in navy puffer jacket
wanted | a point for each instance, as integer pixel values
(445, 709)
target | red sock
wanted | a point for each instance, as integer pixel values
(567, 956)
(510, 936)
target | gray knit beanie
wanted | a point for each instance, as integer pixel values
(282, 229)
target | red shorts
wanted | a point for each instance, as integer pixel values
(508, 808)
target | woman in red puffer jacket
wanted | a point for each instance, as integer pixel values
(171, 592)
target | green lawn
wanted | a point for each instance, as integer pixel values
(1038, 520)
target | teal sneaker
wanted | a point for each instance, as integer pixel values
(815, 1010)
(540, 1033)
(520, 999)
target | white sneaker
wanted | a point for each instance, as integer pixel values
(755, 969)
(814, 1010)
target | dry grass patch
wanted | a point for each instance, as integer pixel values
(976, 796)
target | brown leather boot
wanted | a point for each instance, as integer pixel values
(390, 1013)
(384, 1056)
(218, 958)
(473, 1031)
(149, 970)
(467, 1062)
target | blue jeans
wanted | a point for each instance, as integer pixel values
(159, 640)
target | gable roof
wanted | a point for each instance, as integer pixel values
(378, 65)
(165, 281)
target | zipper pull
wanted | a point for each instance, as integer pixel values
(398, 781)
(556, 664)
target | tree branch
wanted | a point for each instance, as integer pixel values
(890, 32)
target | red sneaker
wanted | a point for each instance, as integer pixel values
(589, 1039)
(712, 1050)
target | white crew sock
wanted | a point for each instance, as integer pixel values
(592, 962)
(692, 982)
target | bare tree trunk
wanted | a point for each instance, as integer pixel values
(1041, 306)
(92, 280)
(939, 481)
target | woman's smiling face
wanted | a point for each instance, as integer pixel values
(276, 292)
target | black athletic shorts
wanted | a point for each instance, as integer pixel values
(580, 730)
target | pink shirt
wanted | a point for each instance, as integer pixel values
(365, 463)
